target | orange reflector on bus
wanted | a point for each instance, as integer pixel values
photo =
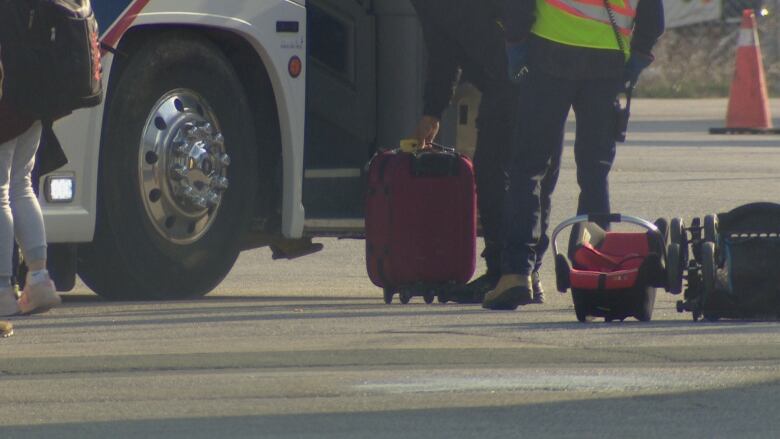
(295, 67)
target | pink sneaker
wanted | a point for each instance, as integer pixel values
(8, 305)
(38, 297)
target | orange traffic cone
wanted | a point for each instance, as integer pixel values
(748, 110)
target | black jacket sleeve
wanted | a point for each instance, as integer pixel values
(648, 26)
(443, 71)
(442, 74)
(519, 17)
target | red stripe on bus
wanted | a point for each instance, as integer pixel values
(124, 23)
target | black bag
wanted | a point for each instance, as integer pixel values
(51, 55)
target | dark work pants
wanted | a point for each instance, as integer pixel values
(536, 158)
(496, 126)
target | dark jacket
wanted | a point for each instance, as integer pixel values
(460, 35)
(577, 62)
(11, 123)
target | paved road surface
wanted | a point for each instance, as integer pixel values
(307, 349)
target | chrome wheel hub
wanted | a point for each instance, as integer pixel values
(182, 166)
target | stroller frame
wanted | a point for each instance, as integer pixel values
(734, 270)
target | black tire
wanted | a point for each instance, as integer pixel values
(677, 232)
(663, 229)
(708, 271)
(388, 295)
(646, 305)
(61, 262)
(675, 266)
(429, 297)
(130, 259)
(581, 313)
(581, 307)
(404, 296)
(711, 228)
(712, 317)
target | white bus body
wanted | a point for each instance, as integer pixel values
(227, 125)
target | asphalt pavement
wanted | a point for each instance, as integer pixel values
(308, 349)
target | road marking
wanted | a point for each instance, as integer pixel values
(539, 380)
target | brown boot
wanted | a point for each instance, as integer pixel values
(512, 291)
(6, 329)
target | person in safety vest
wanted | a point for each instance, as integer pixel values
(465, 42)
(566, 54)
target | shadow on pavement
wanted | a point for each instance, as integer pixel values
(92, 298)
(747, 411)
(212, 310)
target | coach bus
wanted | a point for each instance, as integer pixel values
(227, 125)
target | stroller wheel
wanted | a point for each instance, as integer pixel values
(711, 228)
(663, 228)
(674, 268)
(646, 305)
(582, 315)
(708, 269)
(581, 306)
(677, 233)
(712, 317)
(388, 292)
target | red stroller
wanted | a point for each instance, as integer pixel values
(613, 275)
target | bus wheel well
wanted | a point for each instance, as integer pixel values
(256, 82)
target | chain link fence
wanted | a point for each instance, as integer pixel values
(698, 60)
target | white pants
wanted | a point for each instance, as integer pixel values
(21, 214)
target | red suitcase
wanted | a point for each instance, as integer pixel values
(420, 222)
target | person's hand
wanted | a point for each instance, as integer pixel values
(517, 61)
(636, 63)
(427, 130)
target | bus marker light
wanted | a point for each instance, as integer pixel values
(59, 189)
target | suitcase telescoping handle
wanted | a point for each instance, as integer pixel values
(604, 218)
(413, 146)
(443, 148)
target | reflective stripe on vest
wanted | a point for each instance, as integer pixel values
(585, 23)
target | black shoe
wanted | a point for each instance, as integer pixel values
(474, 291)
(536, 284)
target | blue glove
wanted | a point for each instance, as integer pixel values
(636, 63)
(517, 58)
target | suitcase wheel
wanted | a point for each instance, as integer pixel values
(388, 295)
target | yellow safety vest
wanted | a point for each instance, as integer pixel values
(585, 23)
